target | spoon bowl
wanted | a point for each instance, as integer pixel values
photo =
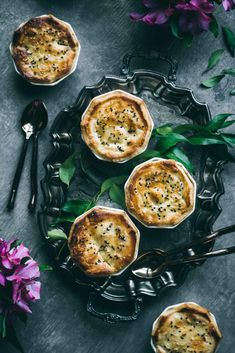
(154, 262)
(34, 118)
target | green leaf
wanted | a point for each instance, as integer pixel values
(148, 154)
(179, 155)
(12, 338)
(108, 183)
(230, 71)
(164, 143)
(64, 218)
(117, 195)
(229, 38)
(24, 260)
(175, 27)
(67, 170)
(57, 234)
(212, 82)
(163, 130)
(210, 139)
(16, 243)
(77, 207)
(228, 123)
(2, 326)
(232, 92)
(217, 122)
(214, 59)
(214, 27)
(187, 39)
(45, 268)
(188, 128)
(229, 139)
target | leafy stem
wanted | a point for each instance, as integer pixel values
(169, 141)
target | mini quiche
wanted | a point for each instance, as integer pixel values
(116, 126)
(45, 50)
(185, 328)
(160, 193)
(103, 241)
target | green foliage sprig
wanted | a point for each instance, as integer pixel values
(170, 143)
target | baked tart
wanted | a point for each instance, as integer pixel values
(160, 193)
(185, 328)
(45, 50)
(116, 126)
(103, 241)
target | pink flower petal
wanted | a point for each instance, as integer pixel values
(136, 16)
(28, 271)
(16, 293)
(33, 289)
(7, 264)
(17, 254)
(228, 5)
(23, 306)
(203, 5)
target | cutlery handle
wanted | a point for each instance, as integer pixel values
(33, 176)
(15, 184)
(194, 258)
(204, 240)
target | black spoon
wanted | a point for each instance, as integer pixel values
(148, 272)
(143, 265)
(41, 118)
(33, 120)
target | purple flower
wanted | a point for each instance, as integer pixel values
(228, 5)
(24, 293)
(203, 5)
(4, 249)
(27, 271)
(18, 277)
(159, 11)
(193, 16)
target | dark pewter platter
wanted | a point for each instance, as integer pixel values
(167, 103)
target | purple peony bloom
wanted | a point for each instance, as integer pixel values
(19, 275)
(228, 5)
(159, 11)
(25, 272)
(193, 15)
(185, 16)
(25, 292)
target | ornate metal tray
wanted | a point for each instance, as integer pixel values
(167, 103)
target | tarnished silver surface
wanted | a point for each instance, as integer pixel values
(167, 104)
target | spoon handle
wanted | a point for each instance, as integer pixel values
(204, 240)
(15, 184)
(33, 175)
(194, 258)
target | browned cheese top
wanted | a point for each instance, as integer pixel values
(44, 49)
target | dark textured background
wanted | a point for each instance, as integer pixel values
(59, 322)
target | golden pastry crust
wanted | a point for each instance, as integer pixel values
(185, 328)
(103, 241)
(44, 49)
(116, 126)
(160, 193)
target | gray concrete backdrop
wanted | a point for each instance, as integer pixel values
(59, 323)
